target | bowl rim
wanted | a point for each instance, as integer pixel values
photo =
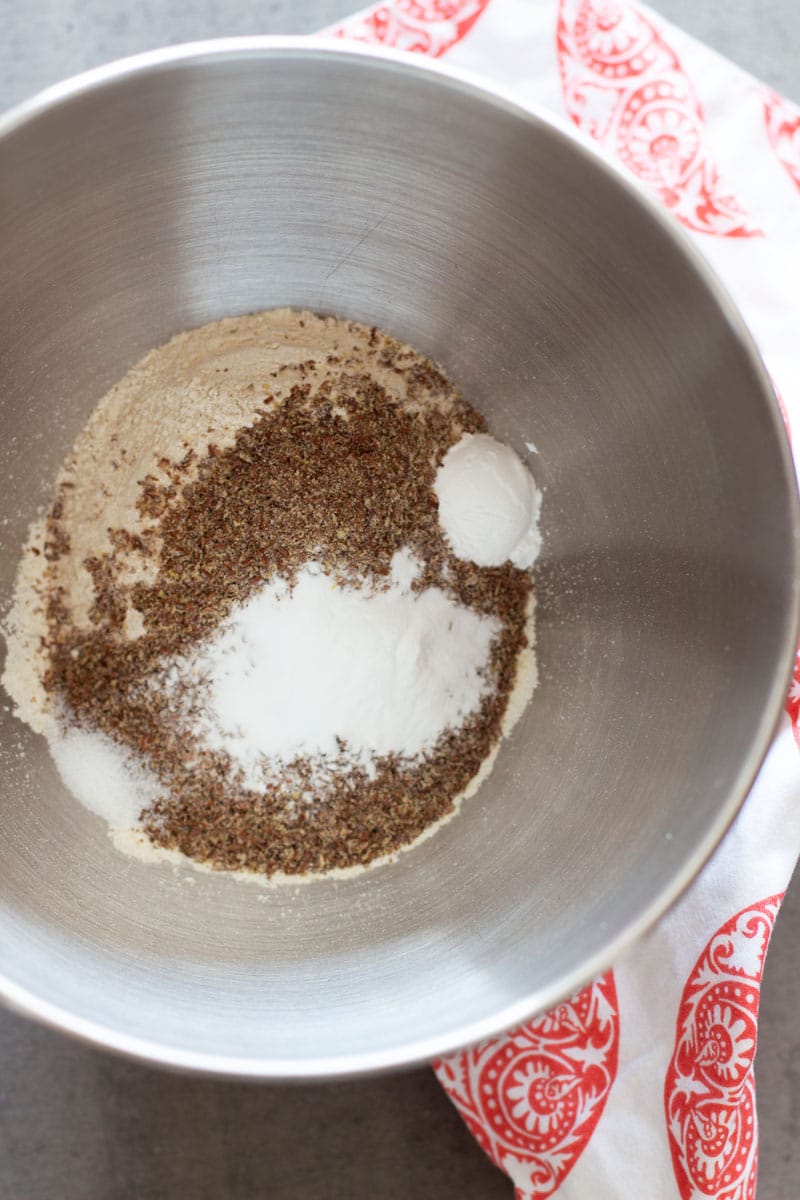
(424, 1050)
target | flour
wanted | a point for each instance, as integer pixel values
(344, 674)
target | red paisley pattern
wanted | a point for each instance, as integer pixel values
(783, 130)
(793, 700)
(533, 1098)
(624, 85)
(426, 26)
(709, 1092)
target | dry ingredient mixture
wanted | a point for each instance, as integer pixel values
(253, 623)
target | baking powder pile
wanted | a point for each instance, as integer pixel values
(244, 625)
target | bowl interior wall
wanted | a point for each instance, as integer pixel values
(565, 311)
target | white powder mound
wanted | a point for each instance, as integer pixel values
(101, 775)
(488, 503)
(300, 672)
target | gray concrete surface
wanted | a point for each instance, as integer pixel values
(76, 1124)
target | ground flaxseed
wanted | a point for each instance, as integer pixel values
(336, 467)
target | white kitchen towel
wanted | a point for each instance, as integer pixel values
(641, 1086)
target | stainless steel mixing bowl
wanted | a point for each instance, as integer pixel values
(175, 188)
